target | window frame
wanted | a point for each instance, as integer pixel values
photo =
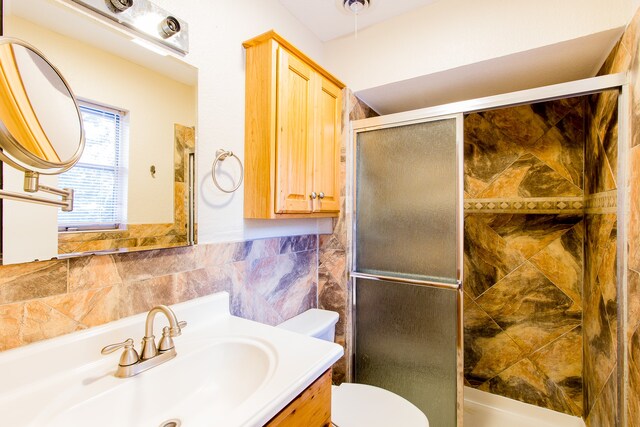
(118, 170)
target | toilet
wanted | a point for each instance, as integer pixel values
(356, 405)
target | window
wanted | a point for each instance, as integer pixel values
(97, 179)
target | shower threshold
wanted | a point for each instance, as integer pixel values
(482, 409)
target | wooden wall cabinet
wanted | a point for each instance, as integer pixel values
(312, 407)
(293, 122)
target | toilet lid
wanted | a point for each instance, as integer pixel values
(357, 405)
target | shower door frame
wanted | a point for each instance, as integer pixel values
(447, 111)
(454, 285)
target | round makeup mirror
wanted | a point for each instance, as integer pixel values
(40, 123)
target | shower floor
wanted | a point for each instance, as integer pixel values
(483, 409)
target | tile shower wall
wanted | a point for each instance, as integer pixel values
(333, 287)
(600, 340)
(624, 57)
(269, 281)
(523, 255)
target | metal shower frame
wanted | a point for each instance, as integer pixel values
(546, 93)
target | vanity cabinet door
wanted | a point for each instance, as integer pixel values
(312, 407)
(295, 129)
(326, 173)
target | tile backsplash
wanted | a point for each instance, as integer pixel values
(269, 281)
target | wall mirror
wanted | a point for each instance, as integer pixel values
(41, 128)
(40, 125)
(133, 183)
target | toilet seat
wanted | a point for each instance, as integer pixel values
(357, 405)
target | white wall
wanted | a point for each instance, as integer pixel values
(217, 29)
(453, 33)
(438, 37)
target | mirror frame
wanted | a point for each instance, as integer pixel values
(15, 154)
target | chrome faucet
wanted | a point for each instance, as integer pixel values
(130, 363)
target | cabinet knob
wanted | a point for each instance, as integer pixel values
(313, 195)
(321, 195)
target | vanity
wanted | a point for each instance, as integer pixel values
(228, 371)
(197, 365)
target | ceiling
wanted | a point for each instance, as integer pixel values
(565, 61)
(328, 20)
(558, 63)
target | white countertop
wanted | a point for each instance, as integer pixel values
(250, 370)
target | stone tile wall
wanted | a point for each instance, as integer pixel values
(269, 281)
(630, 42)
(134, 237)
(600, 342)
(625, 57)
(523, 253)
(333, 287)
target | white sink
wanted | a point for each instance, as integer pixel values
(228, 372)
(216, 376)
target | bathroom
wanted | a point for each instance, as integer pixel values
(275, 270)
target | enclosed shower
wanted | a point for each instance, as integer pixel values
(484, 256)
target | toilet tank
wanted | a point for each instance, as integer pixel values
(314, 322)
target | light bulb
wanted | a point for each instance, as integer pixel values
(356, 6)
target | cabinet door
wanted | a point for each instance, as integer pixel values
(326, 177)
(295, 138)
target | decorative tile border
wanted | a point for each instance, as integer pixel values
(602, 203)
(533, 205)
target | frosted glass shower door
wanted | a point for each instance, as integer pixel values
(406, 264)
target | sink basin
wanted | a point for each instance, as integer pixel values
(204, 378)
(228, 372)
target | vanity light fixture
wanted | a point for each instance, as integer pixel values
(121, 5)
(150, 46)
(149, 21)
(169, 27)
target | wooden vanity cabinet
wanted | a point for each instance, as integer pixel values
(292, 133)
(312, 407)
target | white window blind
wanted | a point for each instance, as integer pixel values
(96, 179)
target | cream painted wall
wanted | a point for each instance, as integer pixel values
(217, 30)
(144, 94)
(453, 33)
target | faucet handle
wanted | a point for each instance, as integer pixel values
(129, 355)
(113, 347)
(166, 342)
(176, 333)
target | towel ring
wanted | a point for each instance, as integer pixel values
(221, 155)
